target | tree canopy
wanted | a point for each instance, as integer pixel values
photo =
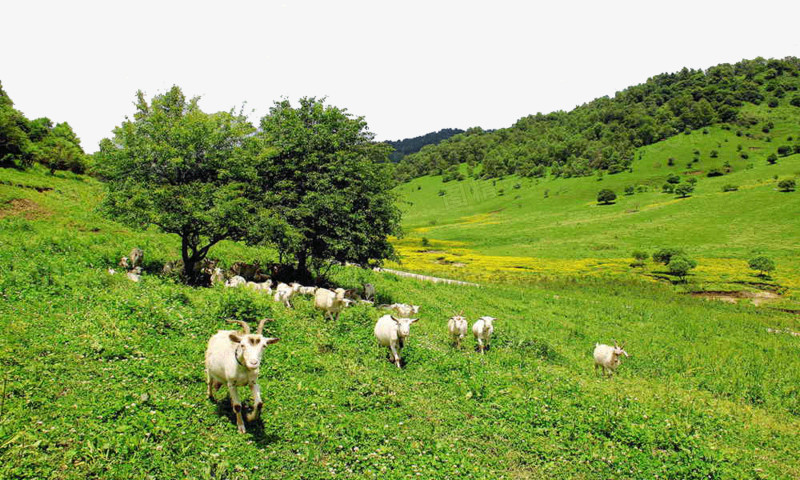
(188, 172)
(329, 186)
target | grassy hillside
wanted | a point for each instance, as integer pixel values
(485, 228)
(103, 378)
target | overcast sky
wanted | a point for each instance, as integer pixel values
(408, 67)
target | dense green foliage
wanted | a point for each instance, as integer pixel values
(24, 141)
(606, 196)
(787, 185)
(604, 133)
(763, 264)
(104, 377)
(327, 185)
(408, 146)
(190, 173)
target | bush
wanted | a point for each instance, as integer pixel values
(629, 190)
(729, 188)
(680, 265)
(639, 258)
(425, 242)
(773, 102)
(664, 255)
(763, 264)
(772, 159)
(715, 172)
(606, 196)
(784, 150)
(714, 154)
(744, 156)
(787, 185)
(442, 193)
(795, 101)
(692, 180)
(668, 188)
(671, 161)
(672, 178)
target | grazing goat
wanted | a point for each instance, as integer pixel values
(392, 332)
(234, 359)
(284, 293)
(332, 302)
(369, 292)
(483, 330)
(307, 291)
(235, 281)
(607, 357)
(402, 309)
(457, 326)
(136, 257)
(260, 287)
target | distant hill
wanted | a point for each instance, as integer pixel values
(412, 145)
(604, 134)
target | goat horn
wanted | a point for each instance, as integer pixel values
(244, 325)
(261, 325)
(615, 343)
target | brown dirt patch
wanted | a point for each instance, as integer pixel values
(23, 207)
(756, 298)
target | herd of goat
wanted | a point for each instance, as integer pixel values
(233, 357)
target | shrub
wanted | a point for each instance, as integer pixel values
(763, 264)
(517, 186)
(787, 185)
(629, 190)
(639, 258)
(606, 196)
(671, 161)
(715, 172)
(425, 242)
(773, 102)
(744, 156)
(795, 101)
(784, 150)
(668, 188)
(664, 255)
(729, 188)
(692, 180)
(684, 190)
(772, 159)
(714, 154)
(442, 193)
(672, 178)
(680, 265)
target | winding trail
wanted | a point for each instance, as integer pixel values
(426, 278)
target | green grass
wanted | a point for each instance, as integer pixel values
(104, 377)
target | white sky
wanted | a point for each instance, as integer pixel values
(409, 67)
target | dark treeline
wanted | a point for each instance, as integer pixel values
(413, 145)
(23, 141)
(604, 133)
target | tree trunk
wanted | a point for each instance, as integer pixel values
(190, 259)
(303, 274)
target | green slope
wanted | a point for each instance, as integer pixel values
(103, 378)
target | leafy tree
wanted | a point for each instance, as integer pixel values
(60, 149)
(784, 150)
(664, 255)
(188, 172)
(329, 187)
(606, 196)
(14, 142)
(786, 185)
(763, 264)
(692, 180)
(668, 188)
(680, 265)
(772, 159)
(684, 189)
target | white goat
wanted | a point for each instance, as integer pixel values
(483, 330)
(234, 359)
(607, 357)
(402, 309)
(235, 281)
(284, 293)
(217, 276)
(260, 287)
(331, 301)
(457, 326)
(369, 292)
(307, 291)
(392, 332)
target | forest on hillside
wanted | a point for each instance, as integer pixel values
(412, 145)
(602, 135)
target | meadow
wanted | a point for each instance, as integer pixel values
(513, 226)
(103, 378)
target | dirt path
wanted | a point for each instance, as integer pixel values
(426, 277)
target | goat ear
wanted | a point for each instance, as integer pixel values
(270, 341)
(235, 338)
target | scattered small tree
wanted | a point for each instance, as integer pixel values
(674, 179)
(729, 188)
(772, 159)
(715, 172)
(629, 190)
(692, 180)
(787, 185)
(606, 196)
(684, 190)
(680, 265)
(664, 255)
(668, 188)
(763, 264)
